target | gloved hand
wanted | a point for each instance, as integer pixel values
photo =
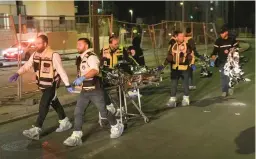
(160, 68)
(14, 77)
(212, 64)
(193, 67)
(70, 89)
(79, 81)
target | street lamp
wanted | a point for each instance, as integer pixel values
(211, 8)
(131, 11)
(181, 3)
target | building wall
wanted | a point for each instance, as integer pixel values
(8, 9)
(50, 8)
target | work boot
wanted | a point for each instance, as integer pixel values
(33, 133)
(185, 101)
(192, 87)
(64, 125)
(75, 139)
(172, 102)
(116, 130)
(224, 94)
(230, 91)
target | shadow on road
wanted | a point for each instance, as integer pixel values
(209, 101)
(246, 141)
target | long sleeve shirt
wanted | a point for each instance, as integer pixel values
(57, 64)
(222, 47)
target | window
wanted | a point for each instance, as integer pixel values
(62, 19)
(76, 9)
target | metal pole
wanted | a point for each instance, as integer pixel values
(95, 28)
(19, 61)
(234, 12)
(183, 15)
(90, 14)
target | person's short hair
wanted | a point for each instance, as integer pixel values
(178, 32)
(113, 37)
(188, 30)
(223, 29)
(44, 38)
(175, 33)
(87, 41)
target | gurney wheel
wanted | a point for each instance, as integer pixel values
(146, 120)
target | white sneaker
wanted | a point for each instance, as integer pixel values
(185, 101)
(33, 133)
(230, 91)
(111, 108)
(116, 130)
(192, 87)
(64, 125)
(75, 139)
(172, 102)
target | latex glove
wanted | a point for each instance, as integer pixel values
(212, 64)
(14, 77)
(160, 68)
(70, 89)
(78, 81)
(193, 67)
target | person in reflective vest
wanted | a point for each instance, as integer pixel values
(181, 58)
(49, 72)
(191, 42)
(110, 56)
(91, 92)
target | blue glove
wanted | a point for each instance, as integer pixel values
(70, 89)
(79, 81)
(193, 67)
(14, 77)
(160, 68)
(212, 64)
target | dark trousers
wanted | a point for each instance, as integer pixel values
(48, 98)
(224, 80)
(190, 71)
(175, 76)
(106, 97)
(97, 98)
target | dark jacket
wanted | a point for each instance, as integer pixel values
(222, 47)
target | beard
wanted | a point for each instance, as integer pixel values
(81, 51)
(40, 50)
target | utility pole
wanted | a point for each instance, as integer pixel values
(234, 14)
(95, 27)
(90, 15)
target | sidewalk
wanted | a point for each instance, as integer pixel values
(16, 110)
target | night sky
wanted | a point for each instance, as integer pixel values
(141, 9)
(244, 11)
